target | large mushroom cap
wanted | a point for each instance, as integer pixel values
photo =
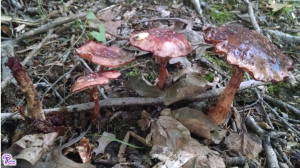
(161, 42)
(94, 79)
(103, 55)
(251, 51)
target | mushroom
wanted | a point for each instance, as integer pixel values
(105, 56)
(248, 51)
(100, 54)
(164, 44)
(94, 79)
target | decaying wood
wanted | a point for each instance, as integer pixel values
(34, 107)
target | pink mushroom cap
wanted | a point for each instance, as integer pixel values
(100, 54)
(94, 79)
(161, 42)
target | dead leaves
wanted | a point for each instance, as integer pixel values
(185, 88)
(277, 6)
(246, 144)
(174, 147)
(144, 88)
(199, 124)
(32, 147)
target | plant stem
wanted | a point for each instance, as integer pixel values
(221, 111)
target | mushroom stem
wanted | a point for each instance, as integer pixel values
(96, 114)
(162, 72)
(221, 111)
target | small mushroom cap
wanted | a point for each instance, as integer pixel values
(251, 51)
(162, 42)
(93, 79)
(100, 54)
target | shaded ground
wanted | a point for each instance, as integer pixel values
(52, 64)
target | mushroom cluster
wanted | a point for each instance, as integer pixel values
(105, 56)
(164, 44)
(247, 51)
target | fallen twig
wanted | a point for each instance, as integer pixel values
(46, 27)
(60, 78)
(282, 104)
(129, 101)
(282, 153)
(252, 16)
(53, 89)
(282, 120)
(270, 154)
(267, 118)
(30, 55)
(8, 19)
(285, 38)
(163, 19)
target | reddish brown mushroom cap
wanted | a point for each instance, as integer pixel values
(251, 51)
(103, 55)
(161, 42)
(94, 79)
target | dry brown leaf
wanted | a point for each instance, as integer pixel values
(113, 26)
(189, 70)
(144, 88)
(6, 30)
(276, 6)
(108, 14)
(84, 150)
(173, 145)
(60, 161)
(145, 121)
(246, 144)
(199, 124)
(186, 88)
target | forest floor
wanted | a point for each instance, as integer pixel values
(141, 125)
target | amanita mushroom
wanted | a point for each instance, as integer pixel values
(164, 44)
(247, 51)
(107, 57)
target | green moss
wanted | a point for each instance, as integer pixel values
(150, 77)
(218, 62)
(210, 77)
(220, 14)
(275, 88)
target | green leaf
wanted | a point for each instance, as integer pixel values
(99, 36)
(102, 32)
(96, 35)
(90, 15)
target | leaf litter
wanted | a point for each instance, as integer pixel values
(170, 137)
